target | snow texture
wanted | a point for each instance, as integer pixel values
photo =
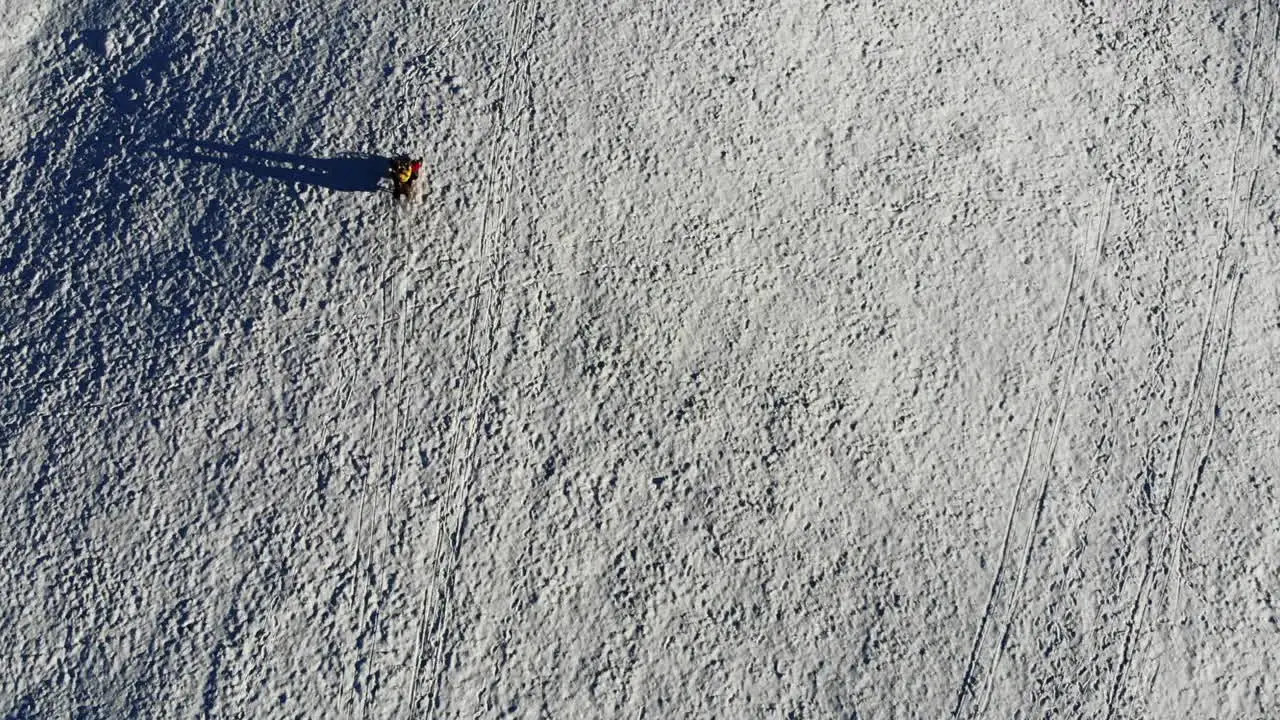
(811, 359)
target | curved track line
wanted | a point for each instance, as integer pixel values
(1137, 616)
(1063, 396)
(987, 611)
(483, 371)
(463, 463)
(374, 406)
(387, 398)
(393, 458)
(1178, 539)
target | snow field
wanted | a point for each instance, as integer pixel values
(836, 360)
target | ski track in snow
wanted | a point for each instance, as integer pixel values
(1238, 271)
(1042, 494)
(465, 440)
(997, 580)
(1016, 508)
(1164, 567)
(736, 360)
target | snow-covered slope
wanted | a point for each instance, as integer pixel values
(877, 360)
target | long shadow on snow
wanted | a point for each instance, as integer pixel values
(106, 288)
(351, 172)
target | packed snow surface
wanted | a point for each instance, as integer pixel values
(805, 359)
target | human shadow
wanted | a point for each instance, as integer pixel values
(348, 172)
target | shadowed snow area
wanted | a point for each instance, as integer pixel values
(784, 360)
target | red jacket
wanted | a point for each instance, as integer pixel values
(414, 168)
